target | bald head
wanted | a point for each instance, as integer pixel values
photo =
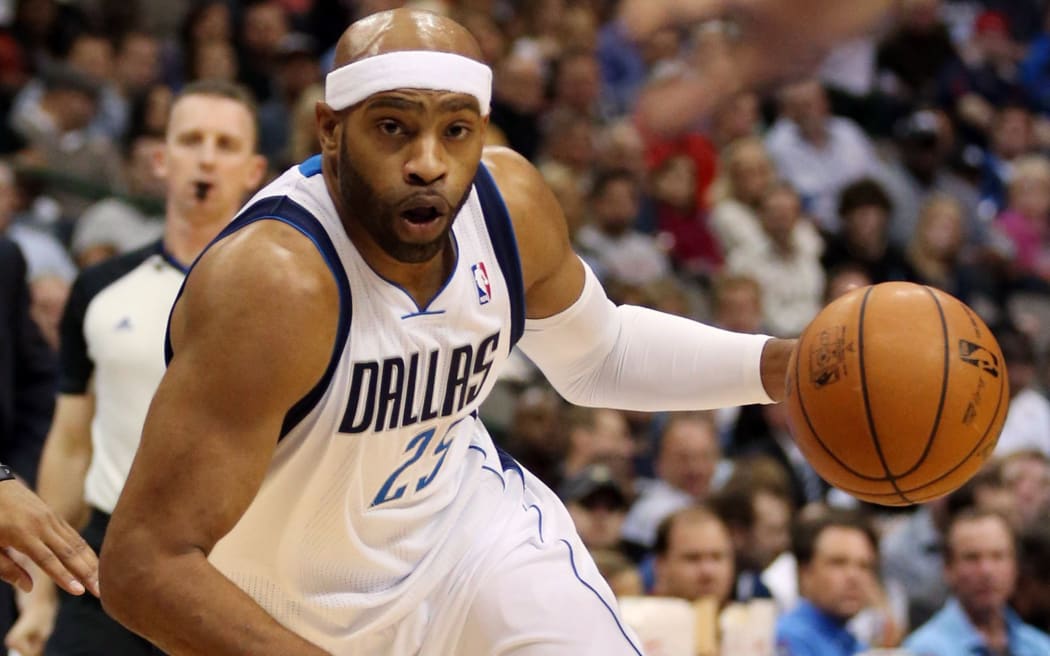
(404, 29)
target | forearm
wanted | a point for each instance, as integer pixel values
(63, 469)
(596, 354)
(644, 17)
(184, 606)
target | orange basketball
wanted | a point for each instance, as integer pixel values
(897, 394)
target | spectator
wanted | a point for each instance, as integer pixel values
(1031, 598)
(206, 21)
(137, 64)
(686, 461)
(44, 255)
(913, 552)
(79, 163)
(120, 224)
(758, 513)
(577, 86)
(518, 100)
(1027, 426)
(694, 556)
(738, 117)
(763, 430)
(865, 211)
(984, 77)
(790, 275)
(264, 25)
(910, 58)
(599, 436)
(1026, 220)
(1012, 137)
(837, 558)
(597, 504)
(935, 253)
(819, 154)
(620, 251)
(296, 70)
(746, 172)
(303, 140)
(214, 61)
(535, 438)
(923, 140)
(1027, 475)
(980, 565)
(682, 219)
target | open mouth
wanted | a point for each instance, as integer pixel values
(201, 189)
(421, 215)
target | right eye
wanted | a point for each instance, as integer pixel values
(391, 128)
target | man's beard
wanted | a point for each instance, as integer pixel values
(378, 217)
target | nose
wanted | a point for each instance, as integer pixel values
(426, 163)
(207, 153)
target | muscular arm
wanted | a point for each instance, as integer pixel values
(625, 357)
(241, 361)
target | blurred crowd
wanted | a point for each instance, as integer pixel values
(919, 152)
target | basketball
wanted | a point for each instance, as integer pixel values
(897, 393)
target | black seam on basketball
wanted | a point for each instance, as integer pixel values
(864, 395)
(944, 388)
(812, 428)
(963, 461)
(977, 445)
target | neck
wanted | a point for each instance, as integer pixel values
(185, 239)
(989, 622)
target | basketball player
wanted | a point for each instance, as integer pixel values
(313, 478)
(113, 349)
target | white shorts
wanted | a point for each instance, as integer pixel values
(527, 587)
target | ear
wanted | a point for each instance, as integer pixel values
(258, 170)
(328, 128)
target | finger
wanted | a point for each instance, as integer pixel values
(11, 572)
(77, 556)
(53, 566)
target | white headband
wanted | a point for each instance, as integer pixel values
(409, 69)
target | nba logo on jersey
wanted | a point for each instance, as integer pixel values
(481, 281)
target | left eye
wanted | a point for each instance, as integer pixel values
(457, 131)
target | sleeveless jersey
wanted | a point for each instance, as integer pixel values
(367, 502)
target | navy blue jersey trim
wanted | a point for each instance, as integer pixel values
(310, 166)
(282, 208)
(170, 259)
(505, 245)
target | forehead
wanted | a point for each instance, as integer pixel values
(421, 100)
(207, 113)
(982, 532)
(700, 534)
(843, 539)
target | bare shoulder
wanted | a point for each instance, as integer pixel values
(539, 224)
(552, 273)
(263, 291)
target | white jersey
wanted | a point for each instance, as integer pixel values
(373, 485)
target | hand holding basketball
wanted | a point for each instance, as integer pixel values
(897, 393)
